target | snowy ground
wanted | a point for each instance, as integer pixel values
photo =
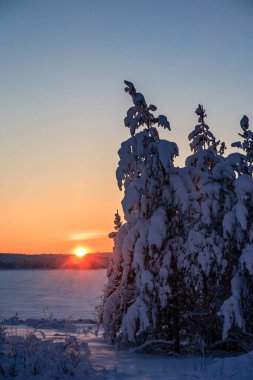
(114, 362)
(129, 365)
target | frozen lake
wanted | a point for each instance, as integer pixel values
(65, 293)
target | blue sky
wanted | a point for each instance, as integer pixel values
(62, 102)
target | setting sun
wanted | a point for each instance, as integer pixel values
(80, 252)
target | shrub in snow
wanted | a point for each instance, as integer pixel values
(33, 355)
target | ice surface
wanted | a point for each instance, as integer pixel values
(33, 293)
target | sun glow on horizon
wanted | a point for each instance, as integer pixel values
(80, 252)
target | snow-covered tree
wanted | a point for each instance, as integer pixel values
(137, 294)
(245, 165)
(200, 258)
(117, 225)
(206, 150)
(237, 309)
(182, 269)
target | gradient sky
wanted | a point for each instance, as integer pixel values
(62, 66)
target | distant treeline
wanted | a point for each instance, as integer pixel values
(54, 261)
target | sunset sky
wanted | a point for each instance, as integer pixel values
(62, 66)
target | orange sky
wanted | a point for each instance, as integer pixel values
(54, 187)
(56, 220)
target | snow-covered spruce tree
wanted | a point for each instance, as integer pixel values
(237, 309)
(137, 297)
(117, 225)
(201, 263)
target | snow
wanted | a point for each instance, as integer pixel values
(102, 361)
(241, 214)
(247, 258)
(157, 228)
(244, 122)
(163, 122)
(244, 187)
(179, 184)
(167, 151)
(231, 308)
(138, 310)
(139, 248)
(228, 223)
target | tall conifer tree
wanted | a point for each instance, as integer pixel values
(136, 298)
